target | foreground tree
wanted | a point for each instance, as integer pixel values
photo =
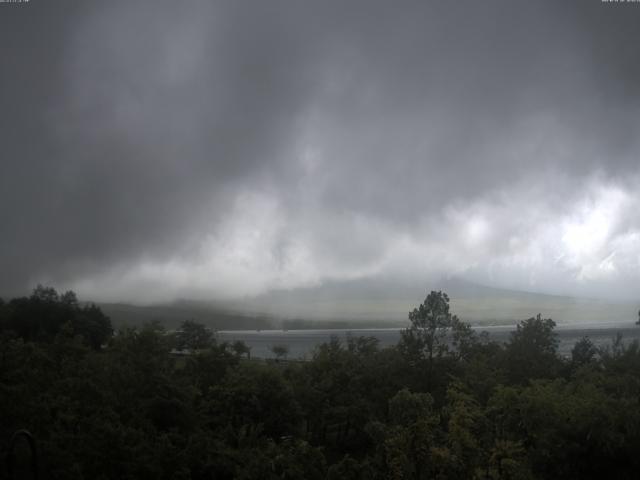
(430, 323)
(45, 314)
(93, 325)
(532, 350)
(583, 352)
(280, 351)
(193, 336)
(241, 348)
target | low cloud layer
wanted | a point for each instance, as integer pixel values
(155, 150)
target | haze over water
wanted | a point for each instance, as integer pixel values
(302, 342)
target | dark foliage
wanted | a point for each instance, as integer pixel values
(445, 403)
(193, 336)
(45, 314)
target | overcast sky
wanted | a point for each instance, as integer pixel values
(159, 149)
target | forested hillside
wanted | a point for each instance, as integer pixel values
(443, 403)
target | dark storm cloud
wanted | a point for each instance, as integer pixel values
(125, 124)
(132, 130)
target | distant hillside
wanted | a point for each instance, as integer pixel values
(171, 315)
(372, 303)
(373, 300)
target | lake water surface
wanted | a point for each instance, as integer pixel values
(302, 342)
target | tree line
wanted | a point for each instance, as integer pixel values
(444, 403)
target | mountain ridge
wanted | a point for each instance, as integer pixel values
(371, 303)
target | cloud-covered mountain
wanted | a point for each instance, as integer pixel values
(153, 150)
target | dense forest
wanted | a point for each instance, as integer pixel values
(444, 403)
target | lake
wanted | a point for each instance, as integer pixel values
(302, 342)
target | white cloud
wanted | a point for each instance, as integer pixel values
(513, 239)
